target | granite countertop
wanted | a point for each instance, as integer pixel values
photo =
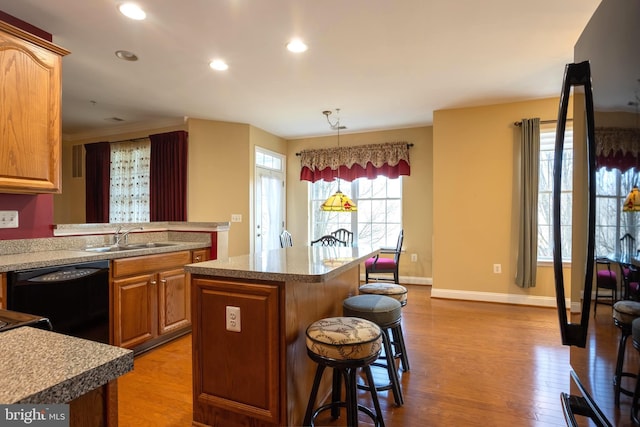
(303, 264)
(40, 366)
(24, 261)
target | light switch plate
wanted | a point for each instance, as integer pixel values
(8, 219)
(236, 217)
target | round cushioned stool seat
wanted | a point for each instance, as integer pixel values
(392, 290)
(626, 311)
(379, 309)
(344, 338)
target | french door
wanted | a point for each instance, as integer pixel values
(269, 200)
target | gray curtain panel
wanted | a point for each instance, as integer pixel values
(528, 224)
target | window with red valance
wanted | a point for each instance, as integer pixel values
(390, 159)
(618, 148)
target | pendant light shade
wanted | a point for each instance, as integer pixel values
(338, 202)
(632, 202)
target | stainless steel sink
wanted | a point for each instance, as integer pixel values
(118, 248)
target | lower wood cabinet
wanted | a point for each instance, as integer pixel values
(237, 372)
(151, 299)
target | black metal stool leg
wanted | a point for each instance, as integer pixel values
(314, 395)
(336, 391)
(634, 403)
(352, 397)
(398, 340)
(391, 367)
(374, 396)
(617, 380)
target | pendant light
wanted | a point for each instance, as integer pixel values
(632, 202)
(338, 202)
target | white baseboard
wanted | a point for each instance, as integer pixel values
(494, 297)
(531, 300)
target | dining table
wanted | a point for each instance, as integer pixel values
(629, 267)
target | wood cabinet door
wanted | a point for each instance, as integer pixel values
(174, 300)
(237, 371)
(135, 310)
(30, 130)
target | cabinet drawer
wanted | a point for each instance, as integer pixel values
(149, 263)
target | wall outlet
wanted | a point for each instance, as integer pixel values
(414, 257)
(497, 268)
(236, 217)
(233, 319)
(8, 219)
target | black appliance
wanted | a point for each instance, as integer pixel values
(604, 79)
(13, 319)
(75, 298)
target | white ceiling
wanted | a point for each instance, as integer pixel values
(384, 63)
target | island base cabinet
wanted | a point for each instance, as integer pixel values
(237, 370)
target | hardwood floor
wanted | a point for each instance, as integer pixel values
(471, 364)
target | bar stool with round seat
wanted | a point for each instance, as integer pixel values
(624, 313)
(392, 290)
(386, 312)
(345, 344)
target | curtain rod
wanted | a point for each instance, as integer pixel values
(409, 145)
(541, 122)
(144, 138)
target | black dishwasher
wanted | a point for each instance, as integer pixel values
(74, 297)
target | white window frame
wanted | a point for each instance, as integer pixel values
(367, 230)
(545, 188)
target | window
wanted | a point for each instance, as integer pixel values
(612, 187)
(129, 186)
(545, 197)
(378, 220)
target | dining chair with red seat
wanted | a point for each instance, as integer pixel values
(605, 279)
(381, 265)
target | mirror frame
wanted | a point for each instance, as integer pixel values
(576, 74)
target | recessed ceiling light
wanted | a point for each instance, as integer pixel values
(132, 10)
(126, 55)
(297, 46)
(218, 64)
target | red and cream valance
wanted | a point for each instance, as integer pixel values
(390, 159)
(618, 148)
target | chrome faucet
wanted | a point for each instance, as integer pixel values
(118, 236)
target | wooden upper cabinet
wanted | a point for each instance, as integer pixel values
(30, 128)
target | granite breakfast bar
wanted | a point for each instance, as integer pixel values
(43, 367)
(250, 313)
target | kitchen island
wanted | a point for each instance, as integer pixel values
(250, 313)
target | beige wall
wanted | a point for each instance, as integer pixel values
(219, 177)
(417, 195)
(475, 204)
